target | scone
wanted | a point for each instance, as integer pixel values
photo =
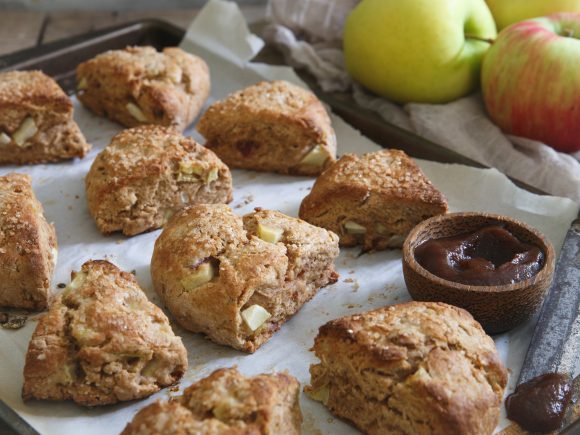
(237, 280)
(102, 342)
(374, 200)
(226, 403)
(414, 368)
(139, 85)
(36, 120)
(271, 126)
(28, 248)
(148, 173)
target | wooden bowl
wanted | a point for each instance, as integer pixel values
(498, 308)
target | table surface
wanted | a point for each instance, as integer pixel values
(26, 29)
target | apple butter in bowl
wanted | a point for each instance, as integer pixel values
(491, 255)
(496, 267)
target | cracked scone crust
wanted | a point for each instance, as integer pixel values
(271, 126)
(210, 266)
(102, 342)
(36, 120)
(139, 85)
(148, 173)
(226, 403)
(373, 200)
(28, 247)
(413, 368)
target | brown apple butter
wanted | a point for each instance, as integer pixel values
(489, 256)
(539, 405)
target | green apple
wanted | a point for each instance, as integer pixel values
(507, 12)
(418, 50)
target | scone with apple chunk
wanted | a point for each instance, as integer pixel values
(36, 120)
(412, 368)
(235, 279)
(28, 248)
(139, 85)
(148, 173)
(102, 342)
(273, 127)
(373, 200)
(226, 402)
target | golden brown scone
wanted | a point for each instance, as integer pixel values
(139, 85)
(374, 200)
(102, 342)
(36, 120)
(226, 403)
(413, 368)
(271, 126)
(28, 248)
(148, 173)
(238, 280)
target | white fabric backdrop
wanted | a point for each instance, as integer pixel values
(309, 32)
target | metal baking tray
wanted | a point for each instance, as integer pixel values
(59, 60)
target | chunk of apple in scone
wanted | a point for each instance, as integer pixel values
(238, 280)
(271, 126)
(226, 402)
(373, 200)
(36, 120)
(102, 342)
(28, 247)
(148, 173)
(139, 85)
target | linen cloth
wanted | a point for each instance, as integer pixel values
(309, 33)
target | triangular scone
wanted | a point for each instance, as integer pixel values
(226, 403)
(238, 280)
(101, 342)
(148, 173)
(373, 200)
(28, 248)
(139, 85)
(36, 120)
(412, 368)
(271, 126)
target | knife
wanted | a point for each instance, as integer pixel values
(12, 424)
(555, 344)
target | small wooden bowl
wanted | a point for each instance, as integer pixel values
(498, 308)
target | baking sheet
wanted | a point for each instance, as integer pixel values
(220, 35)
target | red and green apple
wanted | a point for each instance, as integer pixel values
(531, 80)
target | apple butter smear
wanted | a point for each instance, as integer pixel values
(539, 405)
(489, 256)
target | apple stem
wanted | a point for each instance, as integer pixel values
(479, 38)
(568, 32)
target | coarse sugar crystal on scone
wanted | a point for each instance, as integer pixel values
(28, 247)
(373, 200)
(226, 402)
(148, 173)
(102, 342)
(36, 120)
(236, 279)
(139, 85)
(273, 127)
(411, 368)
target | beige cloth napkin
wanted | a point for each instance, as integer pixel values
(309, 32)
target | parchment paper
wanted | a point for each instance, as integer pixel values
(220, 35)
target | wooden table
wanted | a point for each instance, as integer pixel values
(25, 29)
